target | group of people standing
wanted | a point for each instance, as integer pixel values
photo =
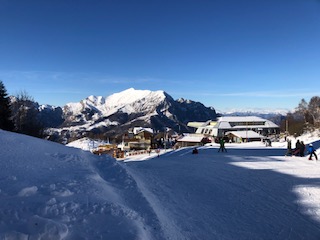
(221, 148)
(299, 149)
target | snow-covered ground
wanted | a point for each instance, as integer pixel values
(86, 144)
(50, 191)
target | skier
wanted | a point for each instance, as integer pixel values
(222, 148)
(158, 152)
(195, 151)
(312, 151)
(149, 151)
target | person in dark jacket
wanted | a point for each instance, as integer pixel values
(312, 152)
(195, 151)
(296, 151)
(222, 148)
(302, 149)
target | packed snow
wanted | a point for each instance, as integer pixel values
(51, 191)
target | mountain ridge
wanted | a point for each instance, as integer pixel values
(115, 114)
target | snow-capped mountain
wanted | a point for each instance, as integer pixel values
(115, 114)
(129, 101)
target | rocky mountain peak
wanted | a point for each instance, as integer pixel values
(115, 114)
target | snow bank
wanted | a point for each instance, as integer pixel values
(49, 191)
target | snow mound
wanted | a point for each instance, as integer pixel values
(28, 191)
(50, 191)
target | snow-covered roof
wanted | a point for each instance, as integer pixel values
(241, 121)
(191, 138)
(271, 124)
(137, 130)
(245, 134)
(251, 126)
(223, 125)
(195, 124)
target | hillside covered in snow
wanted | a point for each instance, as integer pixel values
(50, 191)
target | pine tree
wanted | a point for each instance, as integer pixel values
(5, 112)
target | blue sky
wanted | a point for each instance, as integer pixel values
(229, 54)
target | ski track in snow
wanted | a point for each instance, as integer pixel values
(238, 197)
(168, 226)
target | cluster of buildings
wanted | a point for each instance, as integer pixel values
(232, 129)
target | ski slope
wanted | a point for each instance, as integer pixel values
(250, 193)
(50, 191)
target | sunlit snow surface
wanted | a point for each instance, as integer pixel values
(49, 191)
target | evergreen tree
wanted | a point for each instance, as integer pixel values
(5, 112)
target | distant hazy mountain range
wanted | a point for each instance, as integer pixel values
(254, 111)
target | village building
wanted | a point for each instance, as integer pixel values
(106, 148)
(165, 139)
(190, 139)
(138, 138)
(240, 136)
(237, 128)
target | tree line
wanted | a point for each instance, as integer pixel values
(19, 113)
(305, 117)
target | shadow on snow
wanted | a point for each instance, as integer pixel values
(208, 196)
